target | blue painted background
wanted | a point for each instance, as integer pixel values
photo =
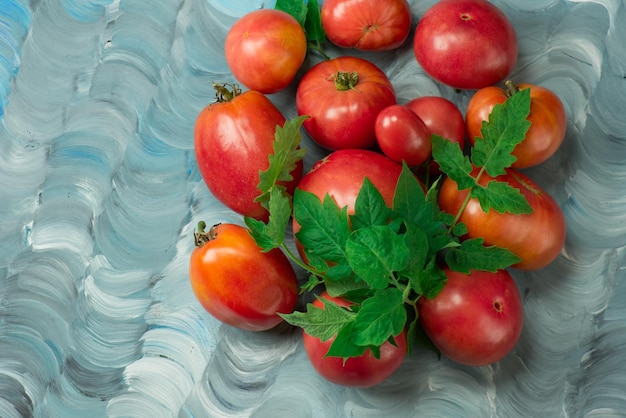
(100, 193)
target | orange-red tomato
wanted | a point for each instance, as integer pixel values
(536, 238)
(238, 283)
(363, 371)
(547, 118)
(264, 49)
(232, 141)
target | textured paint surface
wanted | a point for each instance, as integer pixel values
(100, 193)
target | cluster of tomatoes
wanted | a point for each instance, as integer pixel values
(351, 109)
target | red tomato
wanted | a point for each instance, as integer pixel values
(536, 238)
(476, 319)
(365, 25)
(238, 283)
(232, 141)
(466, 44)
(363, 371)
(343, 96)
(402, 135)
(441, 117)
(547, 118)
(341, 175)
(264, 49)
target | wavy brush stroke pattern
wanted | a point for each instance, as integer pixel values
(100, 193)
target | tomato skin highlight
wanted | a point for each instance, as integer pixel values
(547, 117)
(402, 135)
(361, 372)
(536, 238)
(232, 141)
(365, 25)
(343, 119)
(239, 284)
(465, 44)
(477, 319)
(264, 50)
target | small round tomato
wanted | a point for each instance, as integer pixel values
(238, 283)
(363, 371)
(343, 96)
(232, 139)
(536, 238)
(476, 319)
(547, 118)
(441, 117)
(465, 44)
(365, 25)
(402, 135)
(264, 49)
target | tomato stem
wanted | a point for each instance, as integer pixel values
(346, 80)
(315, 46)
(511, 88)
(299, 262)
(225, 92)
(202, 237)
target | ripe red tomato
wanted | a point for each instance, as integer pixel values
(365, 25)
(466, 44)
(343, 96)
(441, 117)
(402, 135)
(264, 49)
(238, 283)
(232, 141)
(363, 371)
(536, 238)
(476, 319)
(341, 175)
(547, 118)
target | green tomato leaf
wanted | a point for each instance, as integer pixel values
(472, 254)
(501, 197)
(507, 127)
(452, 161)
(321, 323)
(429, 281)
(374, 253)
(284, 160)
(370, 208)
(380, 317)
(348, 288)
(338, 272)
(272, 235)
(343, 346)
(313, 25)
(417, 243)
(298, 9)
(324, 228)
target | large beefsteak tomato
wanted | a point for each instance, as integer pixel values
(343, 97)
(466, 44)
(365, 25)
